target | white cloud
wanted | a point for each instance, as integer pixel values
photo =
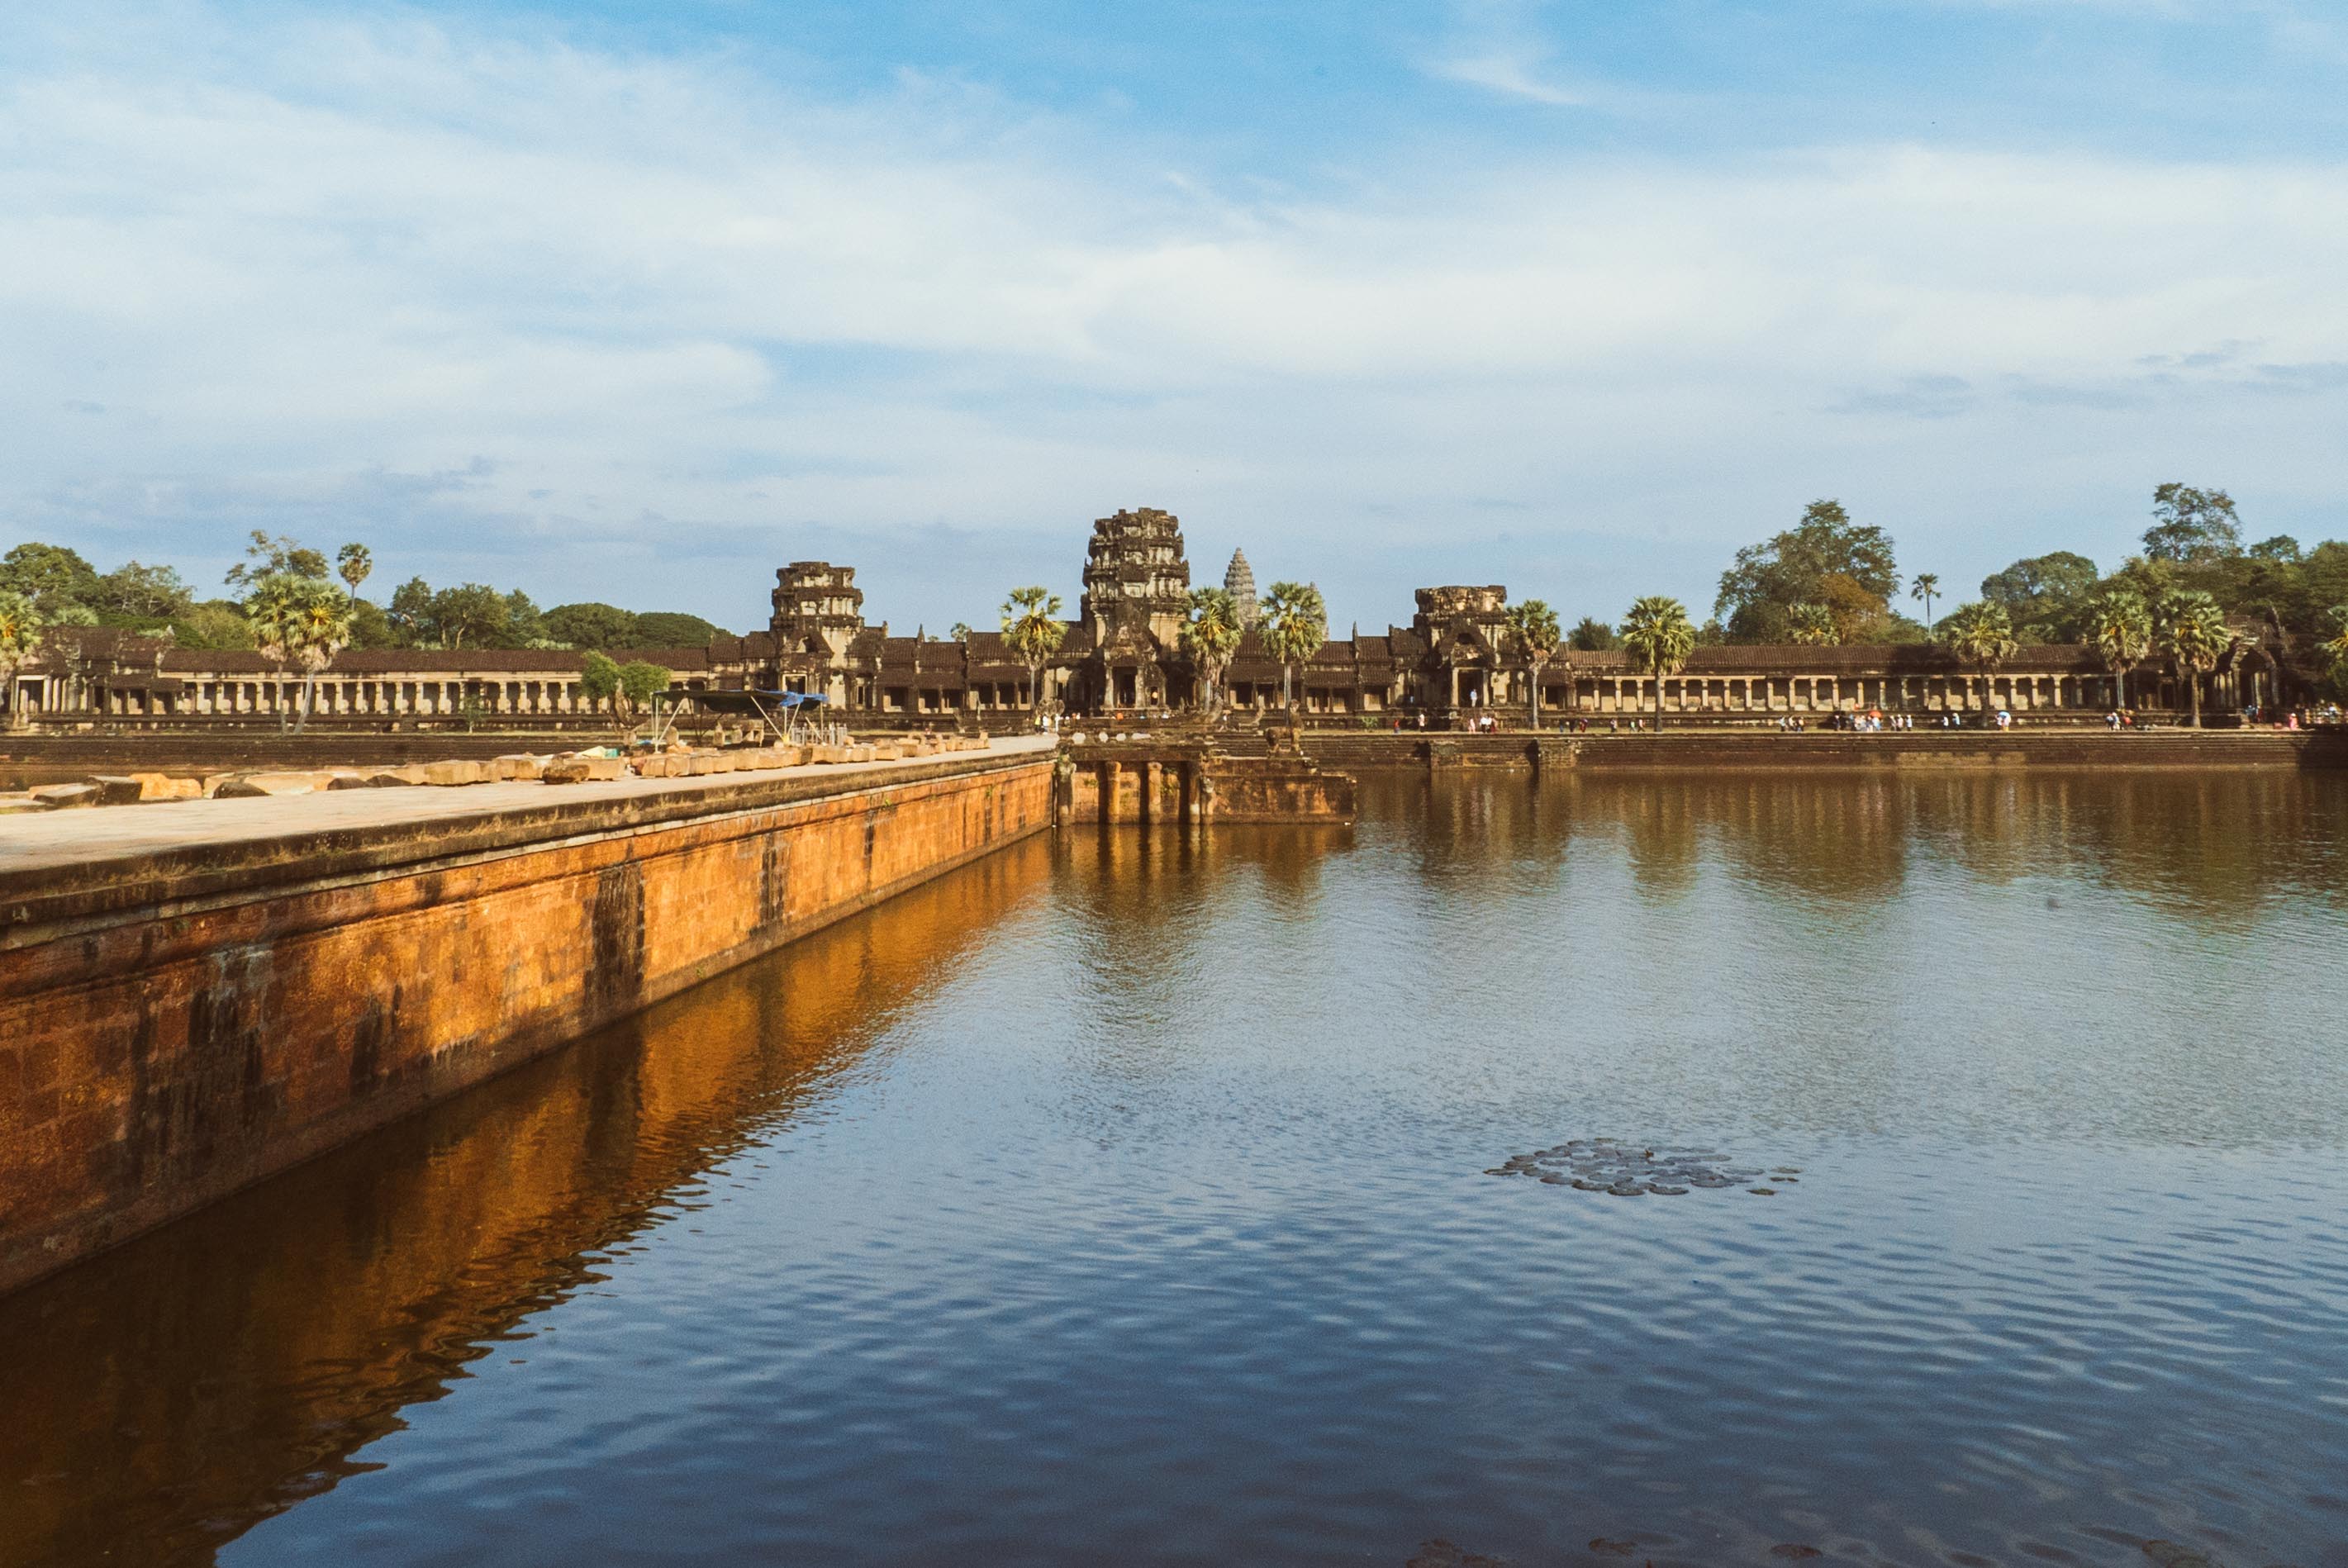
(1511, 74)
(669, 305)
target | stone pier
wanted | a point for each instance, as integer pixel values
(195, 995)
(1155, 783)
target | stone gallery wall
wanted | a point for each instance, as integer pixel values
(175, 1024)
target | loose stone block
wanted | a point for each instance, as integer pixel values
(15, 805)
(449, 775)
(583, 769)
(520, 764)
(250, 786)
(117, 789)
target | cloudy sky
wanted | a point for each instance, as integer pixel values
(1574, 297)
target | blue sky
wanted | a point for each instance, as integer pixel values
(636, 302)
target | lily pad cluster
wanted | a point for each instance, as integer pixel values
(1629, 1170)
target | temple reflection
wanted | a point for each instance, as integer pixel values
(166, 1397)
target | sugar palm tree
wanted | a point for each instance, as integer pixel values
(1212, 635)
(1033, 629)
(2192, 632)
(324, 622)
(20, 639)
(352, 564)
(2120, 627)
(1532, 626)
(298, 621)
(1814, 625)
(1294, 624)
(1927, 588)
(1659, 636)
(1982, 634)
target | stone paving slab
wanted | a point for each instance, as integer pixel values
(64, 840)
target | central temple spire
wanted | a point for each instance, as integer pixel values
(1239, 582)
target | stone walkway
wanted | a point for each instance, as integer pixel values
(77, 838)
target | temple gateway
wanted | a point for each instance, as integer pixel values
(1120, 658)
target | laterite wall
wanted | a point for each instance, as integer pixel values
(165, 1038)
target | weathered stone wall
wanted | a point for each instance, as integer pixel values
(177, 1024)
(1713, 748)
(328, 1302)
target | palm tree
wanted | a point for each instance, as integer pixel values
(2193, 633)
(273, 608)
(1033, 628)
(352, 564)
(1926, 587)
(20, 639)
(1532, 626)
(1212, 635)
(1293, 625)
(296, 619)
(323, 620)
(2121, 628)
(1660, 637)
(1814, 625)
(1982, 636)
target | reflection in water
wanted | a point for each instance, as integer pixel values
(230, 1366)
(1120, 1197)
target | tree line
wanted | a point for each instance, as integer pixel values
(59, 587)
(297, 612)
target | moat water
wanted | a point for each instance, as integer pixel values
(1123, 1200)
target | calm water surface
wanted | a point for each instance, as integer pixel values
(1120, 1200)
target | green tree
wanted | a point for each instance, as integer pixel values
(1813, 625)
(1293, 623)
(2191, 526)
(1210, 634)
(49, 575)
(1980, 634)
(1532, 627)
(1033, 630)
(279, 556)
(353, 563)
(1659, 639)
(525, 626)
(599, 678)
(20, 639)
(2191, 630)
(2333, 650)
(471, 614)
(1589, 636)
(675, 629)
(641, 680)
(298, 621)
(2042, 594)
(593, 625)
(1925, 589)
(134, 593)
(2120, 627)
(214, 624)
(370, 627)
(410, 613)
(1758, 592)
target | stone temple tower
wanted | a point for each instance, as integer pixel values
(1239, 582)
